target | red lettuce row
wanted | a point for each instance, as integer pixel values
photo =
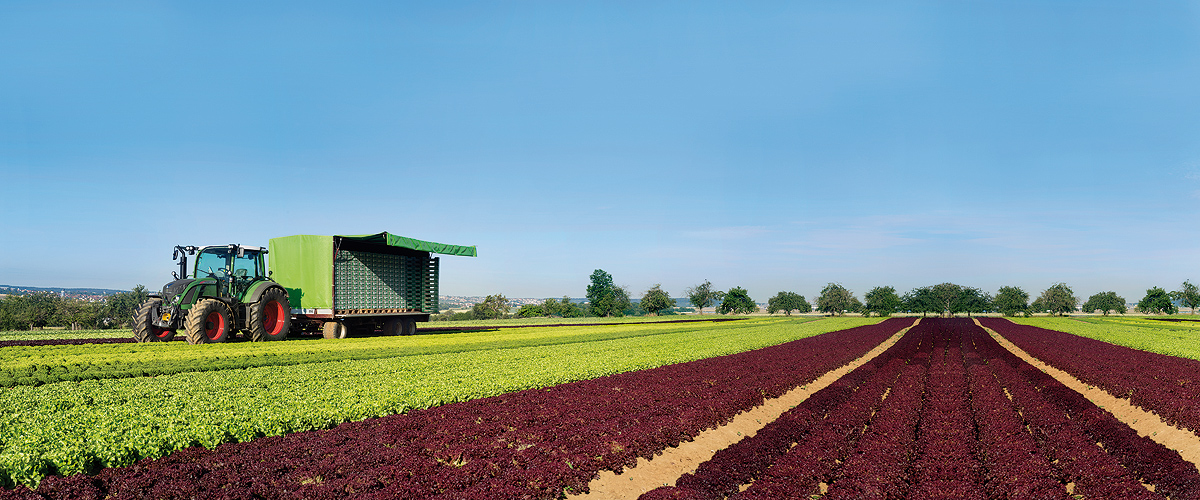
(1166, 385)
(530, 444)
(742, 462)
(965, 419)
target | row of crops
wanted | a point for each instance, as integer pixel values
(83, 359)
(1168, 386)
(1175, 338)
(944, 413)
(71, 427)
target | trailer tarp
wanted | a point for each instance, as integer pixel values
(386, 238)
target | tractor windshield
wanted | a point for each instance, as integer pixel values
(212, 262)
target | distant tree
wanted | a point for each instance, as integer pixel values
(737, 301)
(921, 300)
(1058, 299)
(1105, 302)
(40, 309)
(1011, 301)
(78, 314)
(1188, 295)
(121, 306)
(703, 295)
(882, 300)
(655, 300)
(836, 299)
(605, 298)
(569, 309)
(492, 307)
(788, 302)
(531, 311)
(1157, 301)
(972, 301)
(947, 296)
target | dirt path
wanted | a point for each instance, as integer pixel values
(1142, 421)
(664, 469)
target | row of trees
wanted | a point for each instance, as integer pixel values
(605, 298)
(43, 309)
(949, 298)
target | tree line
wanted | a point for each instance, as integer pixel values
(47, 309)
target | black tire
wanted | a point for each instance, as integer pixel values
(209, 321)
(393, 326)
(335, 330)
(143, 323)
(270, 317)
(410, 327)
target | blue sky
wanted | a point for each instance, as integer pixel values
(769, 145)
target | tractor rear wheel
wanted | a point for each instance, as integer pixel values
(143, 323)
(335, 330)
(208, 321)
(270, 317)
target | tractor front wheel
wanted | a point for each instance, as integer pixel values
(208, 322)
(143, 323)
(271, 316)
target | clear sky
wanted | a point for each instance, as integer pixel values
(769, 145)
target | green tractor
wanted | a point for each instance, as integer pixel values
(229, 290)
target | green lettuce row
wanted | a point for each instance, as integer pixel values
(73, 427)
(38, 365)
(1172, 339)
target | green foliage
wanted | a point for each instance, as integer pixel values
(492, 307)
(1105, 302)
(788, 302)
(737, 301)
(605, 298)
(836, 299)
(1157, 301)
(1011, 301)
(972, 301)
(1057, 300)
(1188, 295)
(921, 300)
(655, 300)
(73, 427)
(531, 311)
(703, 295)
(882, 300)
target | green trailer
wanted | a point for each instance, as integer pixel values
(341, 285)
(337, 285)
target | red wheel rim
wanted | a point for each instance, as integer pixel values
(273, 317)
(161, 333)
(214, 325)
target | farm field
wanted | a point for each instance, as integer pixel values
(1175, 338)
(944, 412)
(68, 427)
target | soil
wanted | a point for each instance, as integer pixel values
(665, 468)
(1145, 423)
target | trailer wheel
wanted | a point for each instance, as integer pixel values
(208, 322)
(393, 326)
(334, 330)
(143, 323)
(410, 327)
(270, 317)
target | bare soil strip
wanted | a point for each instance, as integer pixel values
(665, 468)
(1142, 421)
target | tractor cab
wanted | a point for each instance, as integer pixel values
(229, 291)
(235, 267)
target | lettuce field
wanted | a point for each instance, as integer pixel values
(539, 412)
